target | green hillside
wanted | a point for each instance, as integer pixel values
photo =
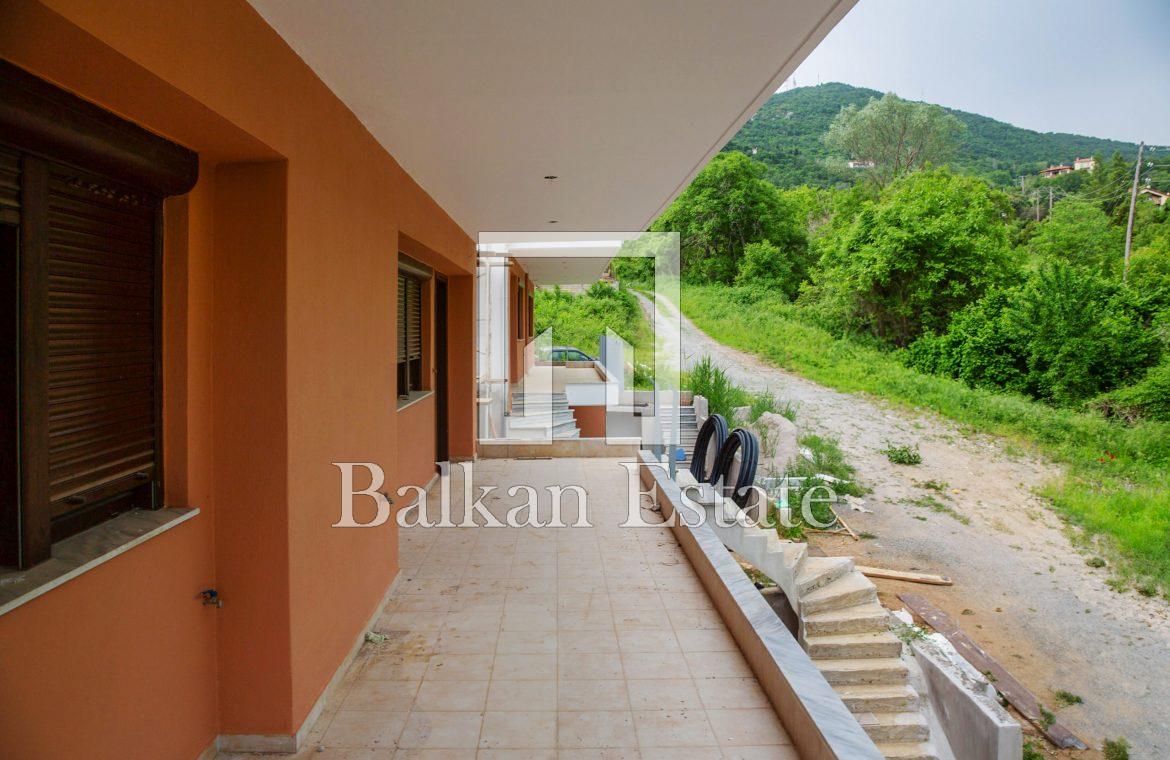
(786, 136)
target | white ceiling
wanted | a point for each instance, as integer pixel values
(623, 100)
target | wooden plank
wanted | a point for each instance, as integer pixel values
(904, 575)
(1003, 681)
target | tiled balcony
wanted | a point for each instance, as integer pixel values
(549, 643)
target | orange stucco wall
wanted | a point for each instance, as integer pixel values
(590, 420)
(278, 273)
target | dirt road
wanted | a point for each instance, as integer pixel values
(1021, 589)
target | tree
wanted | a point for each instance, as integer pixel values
(931, 244)
(766, 267)
(1080, 233)
(726, 207)
(897, 135)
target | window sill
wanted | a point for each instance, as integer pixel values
(81, 553)
(414, 397)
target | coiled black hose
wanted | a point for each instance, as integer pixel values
(748, 446)
(711, 438)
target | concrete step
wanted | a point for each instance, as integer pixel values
(860, 618)
(817, 572)
(853, 589)
(880, 698)
(541, 420)
(884, 670)
(895, 726)
(853, 646)
(907, 750)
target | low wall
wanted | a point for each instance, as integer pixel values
(626, 448)
(817, 721)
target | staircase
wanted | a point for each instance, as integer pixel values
(846, 633)
(534, 414)
(688, 430)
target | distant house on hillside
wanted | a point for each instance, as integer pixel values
(1056, 171)
(1157, 196)
(862, 163)
(1085, 164)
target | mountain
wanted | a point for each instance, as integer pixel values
(786, 135)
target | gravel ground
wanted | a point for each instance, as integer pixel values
(1021, 589)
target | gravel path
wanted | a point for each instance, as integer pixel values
(1021, 589)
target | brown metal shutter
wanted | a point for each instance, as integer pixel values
(413, 318)
(102, 342)
(9, 187)
(401, 318)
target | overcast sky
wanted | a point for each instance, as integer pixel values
(1098, 68)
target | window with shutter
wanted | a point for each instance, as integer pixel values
(412, 278)
(80, 352)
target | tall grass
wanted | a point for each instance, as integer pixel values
(1118, 476)
(724, 397)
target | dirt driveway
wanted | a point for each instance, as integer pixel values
(1021, 589)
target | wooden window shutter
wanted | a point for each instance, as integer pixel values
(413, 319)
(103, 436)
(401, 337)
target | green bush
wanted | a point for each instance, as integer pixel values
(932, 243)
(1148, 399)
(765, 267)
(580, 320)
(1064, 336)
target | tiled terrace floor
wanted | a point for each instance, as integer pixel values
(549, 643)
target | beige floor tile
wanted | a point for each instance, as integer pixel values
(451, 695)
(602, 729)
(585, 619)
(380, 695)
(525, 667)
(647, 640)
(431, 754)
(592, 695)
(635, 600)
(687, 600)
(394, 667)
(441, 730)
(474, 619)
(466, 641)
(775, 752)
(706, 640)
(519, 730)
(601, 640)
(590, 666)
(663, 694)
(597, 753)
(717, 665)
(657, 665)
(430, 620)
(459, 667)
(673, 728)
(517, 754)
(657, 619)
(529, 620)
(682, 753)
(363, 729)
(689, 620)
(747, 727)
(526, 642)
(731, 693)
(522, 695)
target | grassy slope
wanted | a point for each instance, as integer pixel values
(1119, 477)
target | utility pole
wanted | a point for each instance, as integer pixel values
(1137, 173)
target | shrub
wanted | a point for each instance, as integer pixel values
(1064, 336)
(1148, 399)
(1116, 749)
(931, 244)
(711, 382)
(766, 267)
(902, 454)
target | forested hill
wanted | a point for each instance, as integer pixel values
(787, 136)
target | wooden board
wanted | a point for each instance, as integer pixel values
(1003, 681)
(904, 575)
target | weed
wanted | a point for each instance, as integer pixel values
(935, 485)
(934, 505)
(1066, 698)
(1116, 749)
(867, 535)
(820, 456)
(920, 518)
(1117, 584)
(760, 403)
(1095, 562)
(1046, 717)
(1147, 588)
(1030, 752)
(909, 633)
(1125, 496)
(902, 453)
